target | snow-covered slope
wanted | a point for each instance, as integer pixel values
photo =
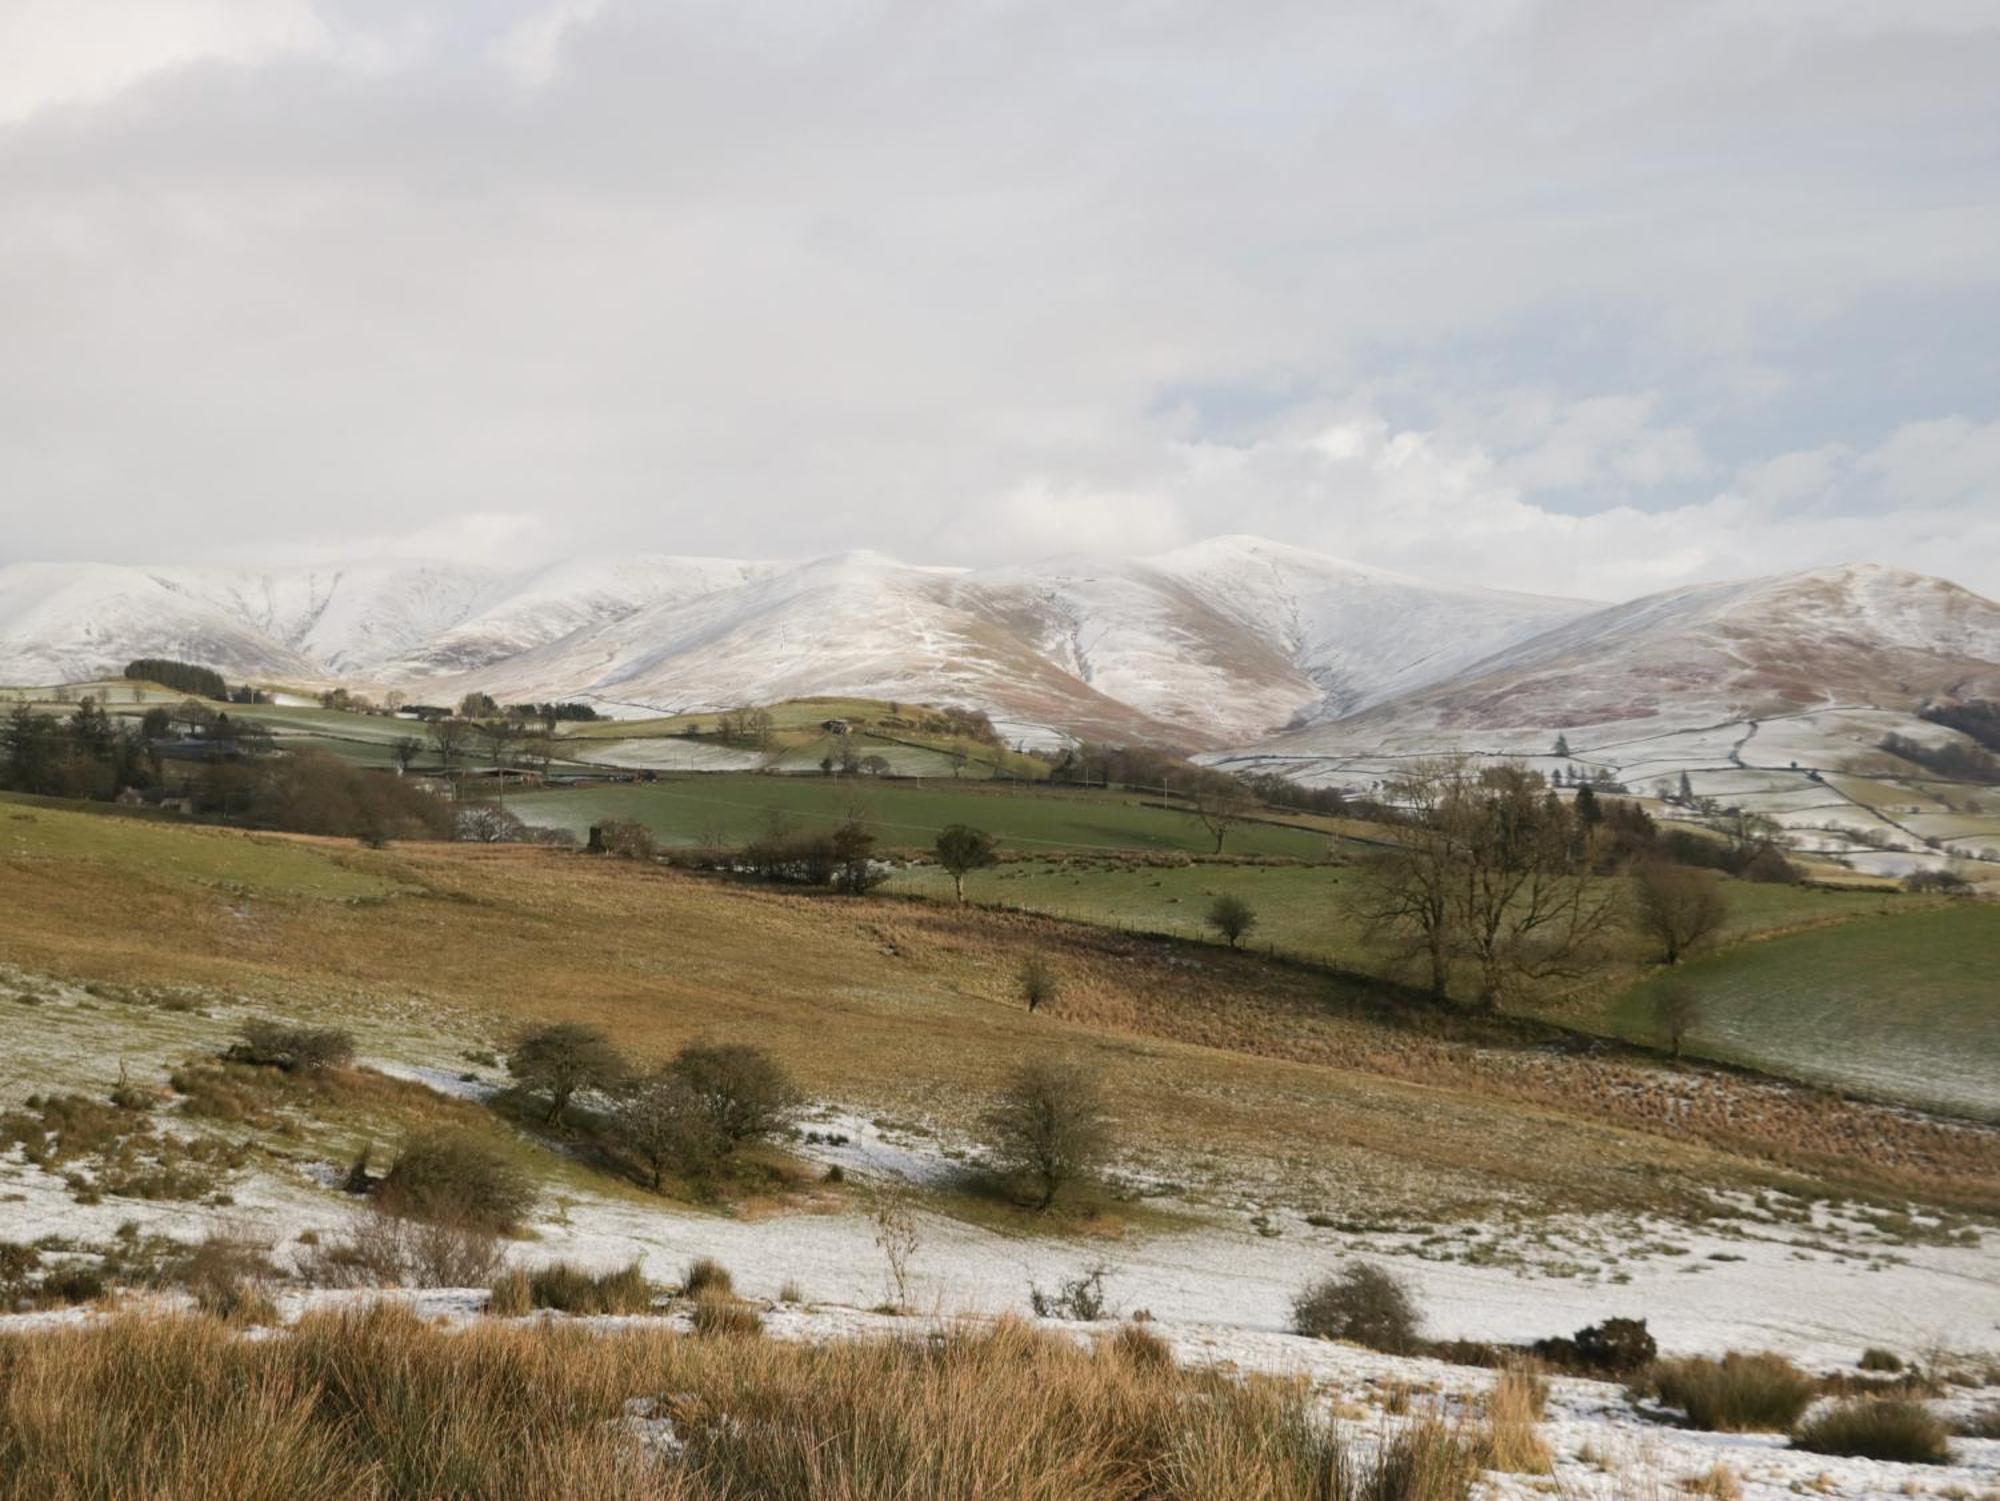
(67, 621)
(1361, 634)
(1224, 643)
(1859, 635)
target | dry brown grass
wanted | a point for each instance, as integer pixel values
(908, 1006)
(1511, 1440)
(374, 1404)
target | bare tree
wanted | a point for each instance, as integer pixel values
(497, 735)
(1049, 1128)
(1528, 906)
(406, 748)
(666, 1124)
(962, 849)
(1676, 1012)
(449, 737)
(1491, 868)
(1406, 893)
(1220, 806)
(565, 1057)
(1677, 906)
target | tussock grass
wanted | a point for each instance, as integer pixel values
(706, 1274)
(375, 1404)
(1877, 1428)
(1737, 1394)
(1142, 1347)
(1718, 1480)
(719, 1313)
(571, 1289)
(1518, 1401)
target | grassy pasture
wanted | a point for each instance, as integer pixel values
(1302, 910)
(1904, 1005)
(37, 835)
(1333, 1090)
(906, 815)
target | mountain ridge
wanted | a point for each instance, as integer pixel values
(1233, 641)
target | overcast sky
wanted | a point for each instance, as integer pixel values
(1591, 297)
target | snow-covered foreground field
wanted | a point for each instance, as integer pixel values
(1820, 1287)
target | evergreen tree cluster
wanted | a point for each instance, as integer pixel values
(182, 677)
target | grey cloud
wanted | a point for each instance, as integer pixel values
(940, 279)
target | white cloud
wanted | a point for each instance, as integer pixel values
(78, 51)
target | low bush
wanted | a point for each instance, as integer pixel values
(1888, 1428)
(293, 1049)
(1616, 1347)
(455, 1177)
(227, 1274)
(391, 1250)
(1362, 1304)
(1737, 1394)
(1080, 1297)
(1874, 1358)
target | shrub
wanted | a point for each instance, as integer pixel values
(1616, 1347)
(617, 836)
(293, 1049)
(1080, 1297)
(226, 1274)
(1874, 1358)
(571, 1289)
(1890, 1428)
(453, 1177)
(746, 1092)
(1231, 917)
(706, 1275)
(1362, 1304)
(1038, 982)
(718, 1313)
(1049, 1128)
(1736, 1394)
(390, 1250)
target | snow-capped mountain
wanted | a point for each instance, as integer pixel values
(1859, 635)
(1230, 642)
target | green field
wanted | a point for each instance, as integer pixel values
(1905, 1006)
(1301, 910)
(685, 810)
(37, 829)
